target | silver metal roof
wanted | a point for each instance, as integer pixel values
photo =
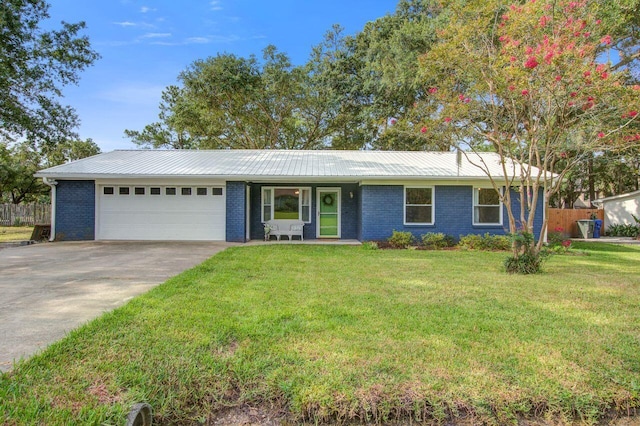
(281, 165)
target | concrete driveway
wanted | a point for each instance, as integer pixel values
(48, 289)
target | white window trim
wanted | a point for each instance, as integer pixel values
(474, 205)
(433, 205)
(272, 201)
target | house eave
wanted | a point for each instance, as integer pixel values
(617, 197)
(362, 180)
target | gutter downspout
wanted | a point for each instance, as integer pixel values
(52, 183)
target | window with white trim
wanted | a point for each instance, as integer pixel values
(418, 205)
(487, 207)
(286, 203)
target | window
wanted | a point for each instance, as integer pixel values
(216, 191)
(266, 204)
(487, 207)
(154, 191)
(201, 191)
(107, 190)
(306, 204)
(185, 191)
(170, 191)
(123, 190)
(286, 203)
(418, 206)
(138, 191)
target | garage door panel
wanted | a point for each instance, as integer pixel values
(161, 217)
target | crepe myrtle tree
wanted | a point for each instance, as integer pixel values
(529, 82)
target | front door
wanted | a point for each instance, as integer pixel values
(328, 213)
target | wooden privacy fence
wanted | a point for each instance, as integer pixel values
(24, 214)
(566, 219)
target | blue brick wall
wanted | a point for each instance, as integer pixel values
(383, 211)
(537, 222)
(75, 210)
(236, 212)
(349, 209)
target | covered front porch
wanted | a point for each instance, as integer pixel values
(327, 211)
(321, 241)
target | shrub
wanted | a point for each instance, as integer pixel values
(557, 241)
(400, 239)
(470, 242)
(623, 230)
(485, 242)
(527, 260)
(524, 264)
(437, 240)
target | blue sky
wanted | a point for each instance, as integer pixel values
(145, 44)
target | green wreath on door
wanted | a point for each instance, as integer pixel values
(327, 200)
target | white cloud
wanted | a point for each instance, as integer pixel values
(129, 24)
(146, 9)
(156, 35)
(126, 24)
(215, 39)
(131, 93)
(198, 40)
(216, 5)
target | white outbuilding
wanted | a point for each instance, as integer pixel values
(620, 209)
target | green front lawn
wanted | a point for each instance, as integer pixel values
(335, 333)
(15, 233)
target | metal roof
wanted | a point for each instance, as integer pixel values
(281, 165)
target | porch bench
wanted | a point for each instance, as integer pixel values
(288, 227)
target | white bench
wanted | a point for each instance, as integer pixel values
(288, 227)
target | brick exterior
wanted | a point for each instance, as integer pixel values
(75, 210)
(383, 211)
(349, 209)
(236, 212)
(372, 214)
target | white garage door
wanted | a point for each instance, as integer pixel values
(150, 212)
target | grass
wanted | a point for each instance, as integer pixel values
(15, 233)
(336, 334)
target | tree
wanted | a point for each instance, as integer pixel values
(169, 132)
(34, 66)
(72, 150)
(372, 78)
(527, 81)
(232, 102)
(19, 163)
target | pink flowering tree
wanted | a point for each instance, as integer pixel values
(531, 82)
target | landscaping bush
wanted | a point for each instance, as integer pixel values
(485, 242)
(437, 240)
(400, 239)
(557, 241)
(527, 259)
(623, 230)
(524, 264)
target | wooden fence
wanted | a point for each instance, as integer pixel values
(566, 219)
(24, 214)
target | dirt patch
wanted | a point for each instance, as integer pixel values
(261, 416)
(247, 416)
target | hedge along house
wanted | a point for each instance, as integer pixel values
(227, 195)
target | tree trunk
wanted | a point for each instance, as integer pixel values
(592, 185)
